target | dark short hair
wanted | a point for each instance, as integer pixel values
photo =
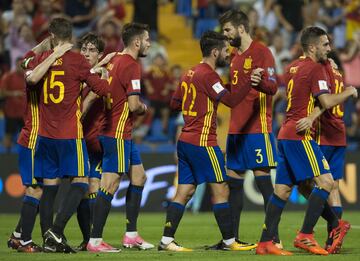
(132, 30)
(236, 18)
(94, 39)
(61, 28)
(310, 35)
(211, 40)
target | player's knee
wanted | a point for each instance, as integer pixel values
(326, 182)
(94, 185)
(282, 192)
(35, 192)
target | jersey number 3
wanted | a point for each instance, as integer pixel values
(54, 85)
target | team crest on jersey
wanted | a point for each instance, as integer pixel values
(325, 164)
(247, 64)
(294, 69)
(58, 62)
(109, 66)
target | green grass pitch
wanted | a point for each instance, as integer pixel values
(195, 231)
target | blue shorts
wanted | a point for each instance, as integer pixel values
(135, 158)
(198, 164)
(28, 166)
(250, 151)
(299, 160)
(95, 165)
(61, 158)
(118, 155)
(335, 155)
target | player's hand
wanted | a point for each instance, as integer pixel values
(144, 109)
(107, 58)
(256, 76)
(62, 48)
(303, 124)
(353, 91)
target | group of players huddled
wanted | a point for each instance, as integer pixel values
(81, 110)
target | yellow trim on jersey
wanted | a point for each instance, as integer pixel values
(121, 155)
(80, 158)
(122, 120)
(310, 108)
(263, 122)
(34, 120)
(215, 164)
(269, 150)
(207, 123)
(312, 158)
(78, 116)
(318, 132)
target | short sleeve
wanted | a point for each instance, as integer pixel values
(133, 76)
(319, 80)
(214, 85)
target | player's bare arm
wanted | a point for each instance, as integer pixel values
(136, 106)
(39, 71)
(307, 122)
(328, 101)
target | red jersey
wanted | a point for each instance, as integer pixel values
(253, 114)
(124, 79)
(198, 95)
(92, 124)
(330, 129)
(29, 132)
(159, 79)
(60, 101)
(305, 80)
(11, 82)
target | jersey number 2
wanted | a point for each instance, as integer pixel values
(189, 90)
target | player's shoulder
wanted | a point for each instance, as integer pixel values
(260, 48)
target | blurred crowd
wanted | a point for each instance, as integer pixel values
(277, 23)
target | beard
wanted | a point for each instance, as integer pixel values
(322, 59)
(236, 42)
(221, 62)
(142, 52)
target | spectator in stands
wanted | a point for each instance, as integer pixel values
(350, 59)
(22, 40)
(110, 32)
(12, 89)
(146, 12)
(158, 85)
(41, 20)
(331, 16)
(82, 14)
(291, 16)
(267, 17)
(279, 52)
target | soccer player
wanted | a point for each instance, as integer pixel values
(300, 158)
(21, 238)
(250, 142)
(61, 148)
(119, 151)
(330, 134)
(199, 157)
(91, 47)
